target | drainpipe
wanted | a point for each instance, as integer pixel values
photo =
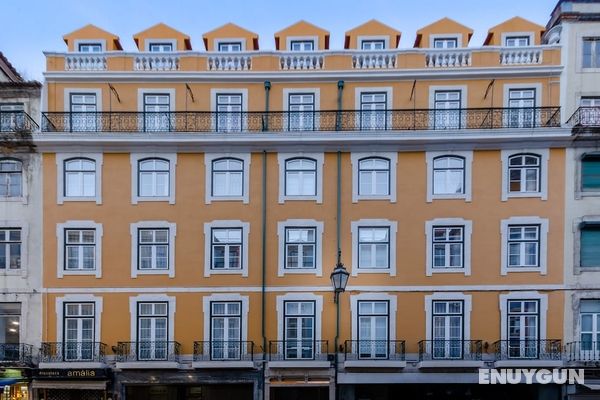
(338, 118)
(265, 121)
(339, 255)
(264, 263)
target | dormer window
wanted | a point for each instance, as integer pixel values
(160, 47)
(230, 46)
(372, 45)
(90, 47)
(302, 45)
(516, 41)
(445, 43)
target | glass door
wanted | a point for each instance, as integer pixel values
(447, 330)
(152, 331)
(299, 330)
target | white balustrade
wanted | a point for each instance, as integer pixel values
(448, 58)
(370, 60)
(85, 62)
(520, 56)
(301, 61)
(156, 62)
(229, 62)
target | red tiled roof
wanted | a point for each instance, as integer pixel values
(10, 71)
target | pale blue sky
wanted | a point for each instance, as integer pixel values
(32, 26)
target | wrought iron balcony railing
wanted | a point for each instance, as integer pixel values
(17, 121)
(303, 121)
(148, 351)
(374, 350)
(586, 351)
(298, 350)
(587, 117)
(546, 349)
(15, 354)
(441, 349)
(220, 350)
(58, 352)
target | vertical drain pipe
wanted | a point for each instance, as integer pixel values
(264, 242)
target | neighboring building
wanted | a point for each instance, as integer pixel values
(575, 25)
(20, 231)
(195, 202)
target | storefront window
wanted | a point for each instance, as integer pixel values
(10, 321)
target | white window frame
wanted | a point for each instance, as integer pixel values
(226, 297)
(135, 158)
(217, 42)
(151, 298)
(374, 223)
(213, 105)
(208, 162)
(434, 36)
(316, 92)
(529, 295)
(290, 39)
(448, 296)
(26, 163)
(358, 92)
(133, 231)
(60, 241)
(319, 159)
(385, 38)
(430, 156)
(509, 35)
(543, 248)
(580, 38)
(467, 233)
(577, 268)
(142, 92)
(355, 159)
(69, 91)
(77, 42)
(208, 226)
(78, 298)
(60, 176)
(172, 42)
(463, 89)
(507, 87)
(544, 157)
(24, 227)
(392, 310)
(291, 223)
(280, 303)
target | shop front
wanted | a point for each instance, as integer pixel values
(14, 384)
(71, 384)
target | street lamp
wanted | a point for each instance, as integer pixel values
(339, 279)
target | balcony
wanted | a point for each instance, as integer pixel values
(321, 121)
(148, 354)
(72, 355)
(15, 354)
(17, 122)
(583, 352)
(440, 353)
(374, 354)
(585, 120)
(299, 354)
(223, 354)
(528, 353)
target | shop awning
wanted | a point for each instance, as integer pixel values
(8, 381)
(76, 385)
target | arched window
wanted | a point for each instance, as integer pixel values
(300, 177)
(374, 176)
(448, 175)
(153, 177)
(11, 178)
(227, 177)
(524, 173)
(80, 177)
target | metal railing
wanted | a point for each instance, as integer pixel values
(17, 121)
(374, 350)
(283, 121)
(545, 349)
(224, 350)
(585, 117)
(585, 351)
(298, 350)
(15, 354)
(54, 352)
(148, 351)
(441, 349)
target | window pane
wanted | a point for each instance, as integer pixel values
(590, 247)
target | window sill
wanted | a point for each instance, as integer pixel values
(510, 270)
(450, 197)
(373, 197)
(11, 272)
(579, 270)
(525, 195)
(587, 193)
(92, 272)
(81, 199)
(299, 198)
(387, 271)
(170, 272)
(170, 200)
(20, 199)
(300, 271)
(439, 270)
(227, 198)
(242, 272)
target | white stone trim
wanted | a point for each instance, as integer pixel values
(392, 310)
(457, 36)
(507, 87)
(314, 39)
(544, 155)
(543, 237)
(60, 241)
(77, 42)
(213, 103)
(319, 159)
(217, 42)
(226, 297)
(23, 225)
(506, 35)
(78, 298)
(467, 184)
(135, 158)
(28, 167)
(152, 298)
(577, 268)
(68, 91)
(316, 92)
(133, 230)
(144, 91)
(362, 38)
(172, 42)
(318, 299)
(467, 307)
(208, 226)
(60, 176)
(389, 94)
(208, 160)
(355, 159)
(309, 223)
(393, 226)
(531, 295)
(467, 233)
